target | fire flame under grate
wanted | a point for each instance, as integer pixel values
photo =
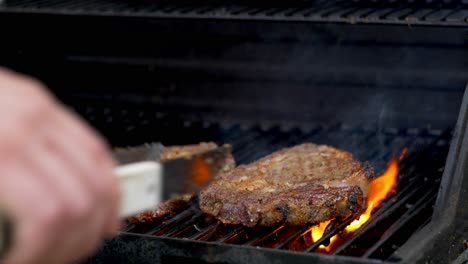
(391, 224)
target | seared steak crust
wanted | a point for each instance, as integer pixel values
(305, 184)
(163, 208)
(170, 206)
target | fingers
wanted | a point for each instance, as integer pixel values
(59, 208)
(93, 159)
(30, 243)
(56, 176)
(79, 222)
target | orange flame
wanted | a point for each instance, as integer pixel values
(379, 189)
(317, 233)
(200, 171)
(318, 230)
(403, 153)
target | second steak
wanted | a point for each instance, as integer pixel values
(173, 205)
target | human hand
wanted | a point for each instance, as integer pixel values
(56, 176)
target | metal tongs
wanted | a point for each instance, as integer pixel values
(146, 181)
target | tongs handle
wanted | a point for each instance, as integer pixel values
(141, 186)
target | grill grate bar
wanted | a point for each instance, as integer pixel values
(419, 14)
(129, 227)
(184, 226)
(259, 11)
(458, 16)
(292, 11)
(329, 11)
(207, 9)
(295, 236)
(241, 236)
(379, 14)
(360, 13)
(318, 8)
(385, 12)
(398, 15)
(270, 143)
(241, 10)
(386, 210)
(326, 237)
(339, 14)
(176, 219)
(425, 200)
(389, 208)
(251, 235)
(263, 141)
(440, 14)
(231, 234)
(204, 232)
(259, 240)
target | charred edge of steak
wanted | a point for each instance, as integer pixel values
(344, 203)
(355, 200)
(284, 208)
(166, 208)
(369, 171)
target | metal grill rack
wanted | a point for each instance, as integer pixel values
(446, 13)
(406, 212)
(379, 238)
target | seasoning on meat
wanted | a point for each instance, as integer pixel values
(304, 184)
(173, 205)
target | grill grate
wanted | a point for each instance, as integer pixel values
(454, 13)
(408, 210)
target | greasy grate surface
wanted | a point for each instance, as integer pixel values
(423, 12)
(398, 218)
(409, 209)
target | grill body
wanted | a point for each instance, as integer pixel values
(370, 77)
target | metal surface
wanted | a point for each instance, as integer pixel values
(131, 154)
(448, 13)
(387, 230)
(145, 180)
(444, 239)
(180, 175)
(198, 170)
